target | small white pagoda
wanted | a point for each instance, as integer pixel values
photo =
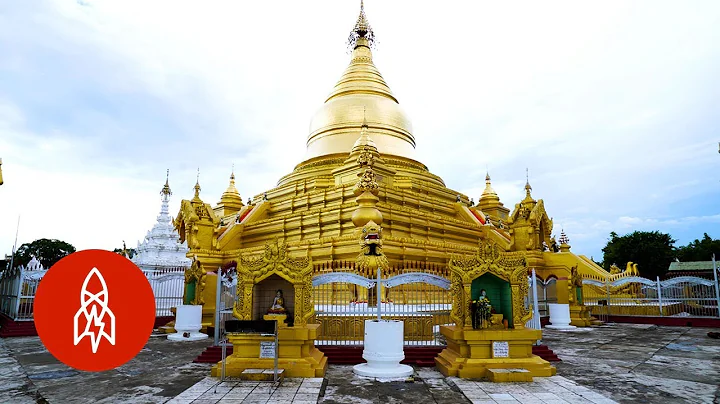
(161, 247)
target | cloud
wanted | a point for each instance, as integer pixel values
(612, 107)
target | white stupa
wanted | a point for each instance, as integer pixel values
(161, 247)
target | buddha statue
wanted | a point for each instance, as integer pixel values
(487, 316)
(278, 305)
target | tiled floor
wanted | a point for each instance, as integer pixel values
(299, 391)
(548, 390)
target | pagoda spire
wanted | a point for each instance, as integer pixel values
(489, 191)
(231, 196)
(528, 188)
(362, 29)
(166, 192)
(197, 186)
(364, 141)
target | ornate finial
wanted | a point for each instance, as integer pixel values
(564, 239)
(364, 123)
(528, 188)
(362, 30)
(165, 192)
(232, 173)
(197, 184)
(488, 192)
(367, 181)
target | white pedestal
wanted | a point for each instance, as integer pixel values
(383, 351)
(559, 317)
(188, 322)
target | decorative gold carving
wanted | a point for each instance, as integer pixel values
(371, 256)
(489, 258)
(197, 274)
(275, 261)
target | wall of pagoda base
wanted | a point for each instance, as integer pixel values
(297, 354)
(472, 354)
(579, 316)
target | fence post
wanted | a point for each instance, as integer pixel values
(717, 285)
(607, 297)
(536, 309)
(18, 294)
(659, 294)
(218, 309)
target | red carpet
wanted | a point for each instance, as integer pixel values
(10, 328)
(545, 352)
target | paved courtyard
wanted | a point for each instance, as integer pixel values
(621, 363)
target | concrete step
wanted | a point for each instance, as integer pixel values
(509, 375)
(261, 375)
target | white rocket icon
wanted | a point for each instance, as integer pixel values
(92, 318)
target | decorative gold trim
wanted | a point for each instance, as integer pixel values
(489, 258)
(275, 261)
(196, 273)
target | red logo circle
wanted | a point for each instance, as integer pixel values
(94, 310)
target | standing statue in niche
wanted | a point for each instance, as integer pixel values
(278, 305)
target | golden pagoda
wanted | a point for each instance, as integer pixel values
(307, 221)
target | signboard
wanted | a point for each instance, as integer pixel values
(267, 349)
(501, 349)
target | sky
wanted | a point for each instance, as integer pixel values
(611, 106)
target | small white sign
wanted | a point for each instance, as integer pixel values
(501, 349)
(267, 349)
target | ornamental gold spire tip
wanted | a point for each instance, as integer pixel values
(197, 184)
(166, 188)
(528, 188)
(362, 29)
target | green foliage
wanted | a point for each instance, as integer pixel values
(47, 251)
(651, 250)
(700, 250)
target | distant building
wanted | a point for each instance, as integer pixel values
(702, 269)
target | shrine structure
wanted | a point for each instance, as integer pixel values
(302, 228)
(161, 247)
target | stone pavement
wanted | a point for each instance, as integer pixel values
(210, 391)
(427, 386)
(641, 363)
(161, 371)
(621, 362)
(549, 390)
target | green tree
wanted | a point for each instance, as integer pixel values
(652, 251)
(47, 251)
(700, 250)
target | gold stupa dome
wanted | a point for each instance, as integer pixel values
(231, 196)
(361, 95)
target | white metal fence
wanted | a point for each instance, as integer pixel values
(417, 295)
(685, 296)
(19, 286)
(168, 285)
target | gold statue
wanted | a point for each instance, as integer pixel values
(278, 305)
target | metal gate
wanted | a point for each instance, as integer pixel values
(225, 298)
(344, 300)
(168, 285)
(17, 290)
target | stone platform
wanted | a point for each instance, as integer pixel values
(621, 363)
